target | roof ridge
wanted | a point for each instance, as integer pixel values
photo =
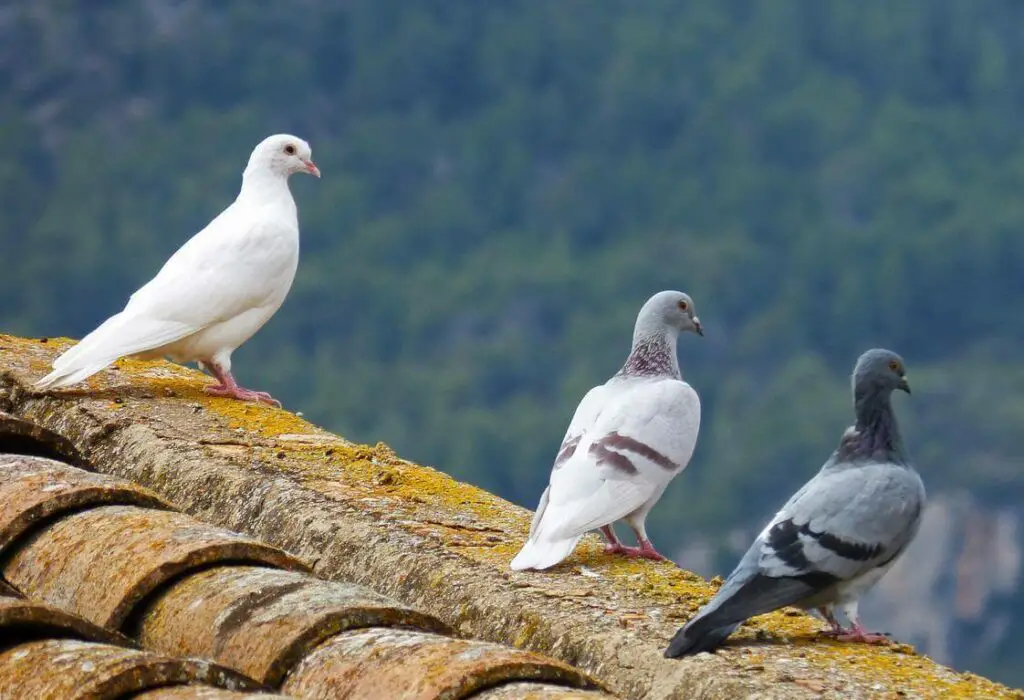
(360, 513)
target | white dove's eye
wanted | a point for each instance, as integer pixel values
(683, 305)
(289, 149)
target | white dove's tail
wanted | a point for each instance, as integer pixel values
(118, 336)
(542, 554)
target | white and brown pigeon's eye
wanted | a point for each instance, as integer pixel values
(683, 305)
(290, 149)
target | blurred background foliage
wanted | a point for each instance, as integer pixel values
(505, 182)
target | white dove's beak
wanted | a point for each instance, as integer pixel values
(311, 167)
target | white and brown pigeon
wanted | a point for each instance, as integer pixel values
(218, 289)
(627, 440)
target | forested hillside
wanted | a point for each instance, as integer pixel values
(504, 184)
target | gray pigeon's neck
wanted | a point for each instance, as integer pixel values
(653, 355)
(875, 436)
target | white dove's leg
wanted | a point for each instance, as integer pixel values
(228, 387)
(857, 633)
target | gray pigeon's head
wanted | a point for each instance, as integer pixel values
(283, 154)
(880, 369)
(672, 309)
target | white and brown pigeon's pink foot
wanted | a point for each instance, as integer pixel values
(645, 551)
(614, 546)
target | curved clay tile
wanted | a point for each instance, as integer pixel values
(375, 663)
(35, 489)
(102, 562)
(21, 437)
(537, 691)
(75, 670)
(205, 692)
(20, 618)
(264, 621)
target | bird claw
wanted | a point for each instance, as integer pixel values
(642, 552)
(863, 637)
(242, 394)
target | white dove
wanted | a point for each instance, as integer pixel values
(217, 290)
(627, 440)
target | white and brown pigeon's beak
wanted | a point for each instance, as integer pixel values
(311, 167)
(697, 327)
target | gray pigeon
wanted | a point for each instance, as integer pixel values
(838, 535)
(627, 440)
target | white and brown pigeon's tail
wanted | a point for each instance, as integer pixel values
(543, 554)
(118, 336)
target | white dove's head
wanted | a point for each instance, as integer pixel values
(283, 154)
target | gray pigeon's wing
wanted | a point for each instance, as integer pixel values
(845, 522)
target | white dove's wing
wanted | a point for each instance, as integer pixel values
(642, 438)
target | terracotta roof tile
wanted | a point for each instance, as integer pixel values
(416, 666)
(201, 692)
(101, 562)
(69, 668)
(39, 489)
(93, 554)
(264, 621)
(22, 619)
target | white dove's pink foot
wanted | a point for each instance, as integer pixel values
(858, 634)
(228, 388)
(241, 394)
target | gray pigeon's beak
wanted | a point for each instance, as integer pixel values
(311, 167)
(697, 327)
(904, 385)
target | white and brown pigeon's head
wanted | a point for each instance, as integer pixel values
(283, 154)
(673, 309)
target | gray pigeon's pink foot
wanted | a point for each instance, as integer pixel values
(857, 634)
(237, 392)
(835, 629)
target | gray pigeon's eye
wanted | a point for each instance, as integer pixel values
(894, 366)
(683, 305)
(289, 149)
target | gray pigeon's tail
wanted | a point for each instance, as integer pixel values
(744, 595)
(697, 637)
